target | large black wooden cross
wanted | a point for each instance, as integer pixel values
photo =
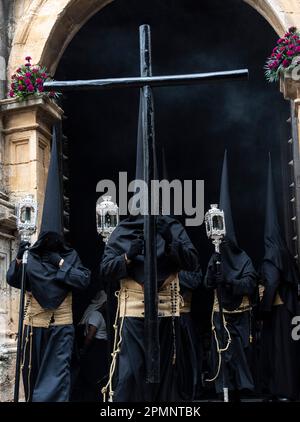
(146, 81)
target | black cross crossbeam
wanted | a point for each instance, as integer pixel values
(152, 81)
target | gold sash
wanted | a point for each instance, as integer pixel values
(187, 303)
(244, 306)
(36, 316)
(132, 298)
(277, 299)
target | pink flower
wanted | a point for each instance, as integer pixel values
(27, 81)
(27, 64)
(20, 78)
(291, 46)
(28, 74)
(30, 88)
(295, 37)
(19, 70)
(11, 93)
(35, 70)
(44, 75)
(274, 50)
(282, 49)
(290, 53)
(297, 49)
(52, 94)
(285, 63)
(12, 86)
(28, 58)
(21, 87)
(278, 56)
(39, 81)
(40, 88)
(280, 40)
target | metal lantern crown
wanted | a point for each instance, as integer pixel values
(215, 224)
(107, 217)
(27, 217)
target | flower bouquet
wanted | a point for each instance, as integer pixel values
(285, 56)
(28, 80)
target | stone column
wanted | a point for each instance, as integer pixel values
(25, 155)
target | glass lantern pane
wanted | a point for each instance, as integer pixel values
(217, 222)
(25, 215)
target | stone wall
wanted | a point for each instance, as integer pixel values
(43, 29)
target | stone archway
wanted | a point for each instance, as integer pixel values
(46, 27)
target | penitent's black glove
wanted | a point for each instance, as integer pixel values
(53, 258)
(163, 229)
(22, 248)
(136, 248)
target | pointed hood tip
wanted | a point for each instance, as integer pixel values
(52, 209)
(272, 230)
(225, 202)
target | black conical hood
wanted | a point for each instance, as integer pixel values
(225, 203)
(140, 168)
(272, 235)
(139, 165)
(52, 210)
(165, 173)
(276, 249)
(236, 264)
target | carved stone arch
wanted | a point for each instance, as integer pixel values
(46, 27)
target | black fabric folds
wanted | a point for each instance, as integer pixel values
(182, 254)
(278, 255)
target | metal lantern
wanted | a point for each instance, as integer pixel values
(27, 217)
(107, 217)
(215, 225)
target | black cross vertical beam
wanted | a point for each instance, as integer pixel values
(152, 346)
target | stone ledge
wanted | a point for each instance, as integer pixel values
(13, 104)
(289, 87)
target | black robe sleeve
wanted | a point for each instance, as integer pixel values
(271, 281)
(14, 275)
(190, 279)
(184, 254)
(245, 286)
(113, 264)
(75, 276)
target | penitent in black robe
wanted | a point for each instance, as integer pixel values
(48, 380)
(280, 364)
(280, 276)
(191, 362)
(130, 384)
(239, 280)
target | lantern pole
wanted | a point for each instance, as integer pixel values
(27, 216)
(216, 230)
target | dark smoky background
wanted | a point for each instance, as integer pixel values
(195, 124)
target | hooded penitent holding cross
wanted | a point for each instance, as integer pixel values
(123, 263)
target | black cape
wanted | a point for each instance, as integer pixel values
(182, 255)
(48, 284)
(280, 366)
